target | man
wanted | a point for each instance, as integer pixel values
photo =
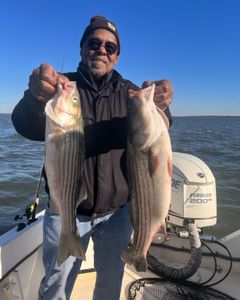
(104, 214)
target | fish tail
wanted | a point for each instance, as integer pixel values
(139, 262)
(70, 245)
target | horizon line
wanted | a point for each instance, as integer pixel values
(174, 116)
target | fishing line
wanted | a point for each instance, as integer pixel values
(63, 61)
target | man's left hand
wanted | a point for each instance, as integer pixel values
(163, 93)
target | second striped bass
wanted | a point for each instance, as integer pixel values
(149, 162)
(64, 157)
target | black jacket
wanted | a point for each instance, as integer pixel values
(104, 106)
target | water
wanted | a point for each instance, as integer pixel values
(216, 140)
(20, 161)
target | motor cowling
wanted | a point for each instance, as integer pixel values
(193, 192)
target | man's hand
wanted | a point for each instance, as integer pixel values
(43, 82)
(163, 93)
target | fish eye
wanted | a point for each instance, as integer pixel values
(75, 99)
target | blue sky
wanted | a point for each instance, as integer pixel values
(194, 43)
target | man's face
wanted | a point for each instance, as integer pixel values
(99, 58)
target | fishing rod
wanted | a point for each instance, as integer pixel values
(37, 199)
(31, 209)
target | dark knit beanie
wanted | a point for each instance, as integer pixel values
(99, 22)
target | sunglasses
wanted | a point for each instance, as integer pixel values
(95, 44)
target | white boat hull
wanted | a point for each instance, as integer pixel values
(22, 269)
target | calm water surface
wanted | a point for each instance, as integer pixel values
(216, 140)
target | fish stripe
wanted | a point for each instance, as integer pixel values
(71, 182)
(143, 207)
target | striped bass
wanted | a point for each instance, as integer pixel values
(64, 157)
(149, 162)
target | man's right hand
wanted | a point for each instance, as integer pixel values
(43, 82)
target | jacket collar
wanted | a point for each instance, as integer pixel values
(109, 83)
(90, 79)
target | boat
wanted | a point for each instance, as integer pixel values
(190, 264)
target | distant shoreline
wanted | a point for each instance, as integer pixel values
(190, 116)
(207, 116)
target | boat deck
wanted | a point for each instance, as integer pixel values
(84, 286)
(21, 259)
(85, 282)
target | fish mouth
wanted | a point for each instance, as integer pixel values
(61, 110)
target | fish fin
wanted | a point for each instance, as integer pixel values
(70, 245)
(131, 216)
(163, 230)
(153, 163)
(127, 257)
(82, 193)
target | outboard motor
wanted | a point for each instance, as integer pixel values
(193, 192)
